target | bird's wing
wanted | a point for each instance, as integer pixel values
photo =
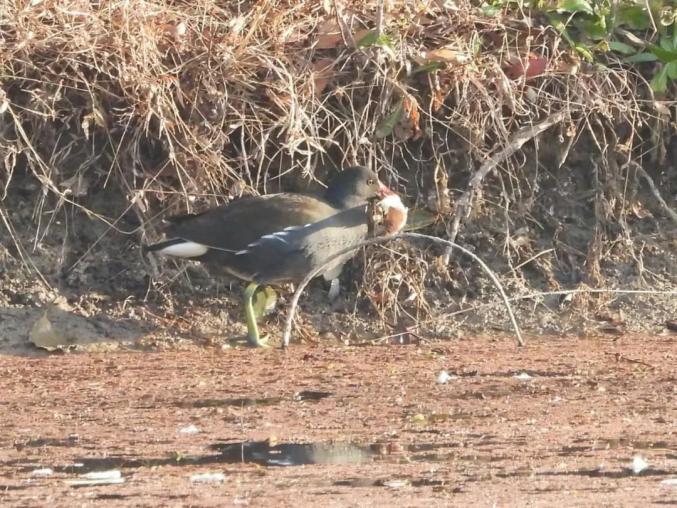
(234, 226)
(288, 255)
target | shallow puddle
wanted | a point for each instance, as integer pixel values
(242, 402)
(292, 454)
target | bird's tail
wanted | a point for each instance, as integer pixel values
(177, 247)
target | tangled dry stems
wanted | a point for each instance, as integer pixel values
(180, 103)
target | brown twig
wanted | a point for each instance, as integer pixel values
(654, 190)
(384, 239)
(517, 140)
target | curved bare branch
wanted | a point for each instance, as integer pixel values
(384, 239)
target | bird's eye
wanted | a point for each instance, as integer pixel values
(370, 181)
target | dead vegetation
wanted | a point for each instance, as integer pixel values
(533, 156)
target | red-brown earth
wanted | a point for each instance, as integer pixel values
(556, 423)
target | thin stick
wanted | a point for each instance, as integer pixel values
(531, 296)
(517, 140)
(384, 239)
(540, 294)
(379, 18)
(535, 256)
(593, 290)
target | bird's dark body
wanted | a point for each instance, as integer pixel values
(279, 238)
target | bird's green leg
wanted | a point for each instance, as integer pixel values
(271, 299)
(264, 301)
(250, 316)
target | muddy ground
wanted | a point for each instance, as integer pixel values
(557, 423)
(143, 383)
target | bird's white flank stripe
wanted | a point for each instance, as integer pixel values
(275, 236)
(278, 235)
(185, 250)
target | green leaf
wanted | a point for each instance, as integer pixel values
(666, 43)
(385, 41)
(558, 24)
(664, 55)
(372, 39)
(584, 51)
(575, 6)
(659, 83)
(641, 58)
(386, 126)
(634, 16)
(369, 39)
(594, 27)
(621, 47)
(672, 70)
(490, 11)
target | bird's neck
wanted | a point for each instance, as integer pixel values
(343, 201)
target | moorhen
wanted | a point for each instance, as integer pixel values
(280, 238)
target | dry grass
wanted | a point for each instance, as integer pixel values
(182, 102)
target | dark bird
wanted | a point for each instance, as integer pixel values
(280, 238)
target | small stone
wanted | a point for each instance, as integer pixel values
(45, 471)
(639, 464)
(208, 478)
(443, 378)
(102, 475)
(190, 429)
(395, 484)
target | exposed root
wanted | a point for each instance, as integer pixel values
(517, 140)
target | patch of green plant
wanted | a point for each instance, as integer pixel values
(639, 30)
(373, 38)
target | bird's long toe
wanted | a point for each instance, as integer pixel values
(257, 341)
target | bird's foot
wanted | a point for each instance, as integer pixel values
(258, 341)
(252, 341)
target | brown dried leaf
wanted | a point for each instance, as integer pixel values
(437, 99)
(569, 64)
(329, 35)
(447, 55)
(408, 126)
(528, 66)
(639, 211)
(438, 199)
(323, 71)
